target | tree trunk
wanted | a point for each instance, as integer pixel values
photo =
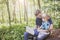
(7, 3)
(14, 15)
(20, 13)
(34, 4)
(2, 17)
(25, 14)
(39, 4)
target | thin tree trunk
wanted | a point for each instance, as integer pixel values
(34, 4)
(20, 13)
(7, 3)
(39, 4)
(2, 17)
(14, 15)
(25, 14)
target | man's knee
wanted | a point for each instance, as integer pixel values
(36, 32)
(25, 34)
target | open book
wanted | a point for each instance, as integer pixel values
(30, 30)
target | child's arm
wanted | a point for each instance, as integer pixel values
(51, 28)
(51, 24)
(41, 30)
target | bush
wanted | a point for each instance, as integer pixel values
(14, 33)
(59, 24)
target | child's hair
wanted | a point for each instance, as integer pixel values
(44, 15)
(48, 15)
(37, 12)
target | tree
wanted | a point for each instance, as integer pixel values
(34, 4)
(39, 4)
(19, 12)
(2, 12)
(2, 17)
(25, 13)
(7, 4)
(14, 14)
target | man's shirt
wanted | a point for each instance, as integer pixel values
(38, 21)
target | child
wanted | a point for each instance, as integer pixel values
(45, 27)
(45, 23)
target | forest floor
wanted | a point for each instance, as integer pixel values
(55, 35)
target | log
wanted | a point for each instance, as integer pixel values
(55, 35)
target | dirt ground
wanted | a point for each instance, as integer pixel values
(55, 35)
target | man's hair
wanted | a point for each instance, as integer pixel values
(37, 12)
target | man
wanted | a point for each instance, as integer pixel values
(38, 18)
(38, 25)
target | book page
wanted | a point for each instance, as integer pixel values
(30, 30)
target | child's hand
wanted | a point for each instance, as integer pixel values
(45, 30)
(38, 29)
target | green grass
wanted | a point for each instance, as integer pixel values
(16, 32)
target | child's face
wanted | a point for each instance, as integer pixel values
(48, 17)
(44, 18)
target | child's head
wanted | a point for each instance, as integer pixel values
(48, 17)
(38, 13)
(44, 17)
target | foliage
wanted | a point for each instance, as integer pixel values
(13, 11)
(59, 24)
(14, 33)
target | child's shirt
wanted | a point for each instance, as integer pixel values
(45, 25)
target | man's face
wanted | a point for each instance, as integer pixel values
(39, 15)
